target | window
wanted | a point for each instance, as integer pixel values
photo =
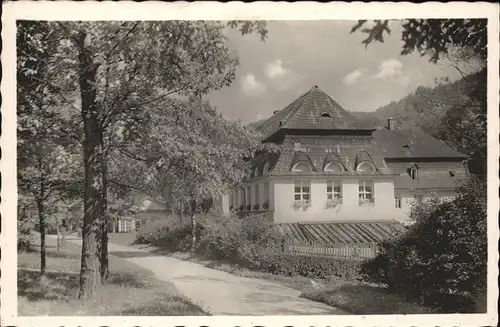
(302, 193)
(334, 167)
(256, 172)
(333, 193)
(265, 205)
(333, 190)
(418, 199)
(365, 167)
(257, 197)
(397, 201)
(301, 167)
(326, 115)
(413, 172)
(366, 192)
(249, 197)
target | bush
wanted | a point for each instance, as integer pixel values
(313, 267)
(221, 238)
(441, 259)
(167, 235)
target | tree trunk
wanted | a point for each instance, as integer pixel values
(93, 218)
(41, 219)
(193, 224)
(58, 232)
(104, 227)
(182, 213)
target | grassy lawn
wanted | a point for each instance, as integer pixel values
(353, 297)
(131, 290)
(364, 299)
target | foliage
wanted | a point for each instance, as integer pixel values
(167, 235)
(462, 113)
(434, 36)
(441, 259)
(313, 267)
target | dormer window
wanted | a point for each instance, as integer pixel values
(302, 167)
(413, 172)
(333, 167)
(365, 167)
(326, 115)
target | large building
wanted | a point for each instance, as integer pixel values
(332, 169)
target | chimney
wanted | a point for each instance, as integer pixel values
(390, 124)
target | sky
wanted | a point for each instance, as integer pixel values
(298, 55)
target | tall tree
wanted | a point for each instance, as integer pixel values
(116, 69)
(45, 164)
(195, 149)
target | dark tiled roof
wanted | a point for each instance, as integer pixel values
(342, 232)
(419, 144)
(313, 110)
(430, 180)
(324, 147)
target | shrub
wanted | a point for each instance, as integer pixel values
(168, 235)
(313, 267)
(221, 238)
(441, 259)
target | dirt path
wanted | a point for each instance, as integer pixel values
(220, 292)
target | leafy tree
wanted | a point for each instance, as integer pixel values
(442, 258)
(46, 166)
(432, 37)
(193, 150)
(116, 69)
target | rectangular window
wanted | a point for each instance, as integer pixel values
(249, 197)
(418, 199)
(333, 190)
(257, 197)
(397, 202)
(302, 191)
(366, 192)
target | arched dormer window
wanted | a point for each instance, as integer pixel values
(334, 167)
(365, 167)
(413, 171)
(325, 115)
(364, 162)
(302, 163)
(302, 167)
(265, 169)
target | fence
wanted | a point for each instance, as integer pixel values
(335, 250)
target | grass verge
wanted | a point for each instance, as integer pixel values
(130, 290)
(365, 299)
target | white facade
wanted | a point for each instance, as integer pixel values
(331, 198)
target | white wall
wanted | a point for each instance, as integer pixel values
(383, 208)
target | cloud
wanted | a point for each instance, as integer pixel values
(282, 78)
(250, 85)
(275, 69)
(353, 76)
(390, 68)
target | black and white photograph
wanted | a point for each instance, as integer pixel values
(186, 166)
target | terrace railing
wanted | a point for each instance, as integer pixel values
(334, 250)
